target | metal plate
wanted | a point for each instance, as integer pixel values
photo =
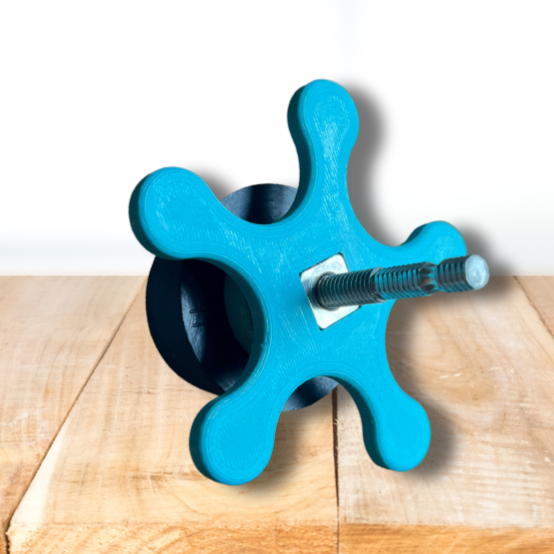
(335, 264)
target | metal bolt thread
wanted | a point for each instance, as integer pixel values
(371, 286)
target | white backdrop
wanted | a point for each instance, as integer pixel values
(456, 101)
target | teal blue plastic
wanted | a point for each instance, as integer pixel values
(175, 215)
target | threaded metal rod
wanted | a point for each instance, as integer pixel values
(371, 286)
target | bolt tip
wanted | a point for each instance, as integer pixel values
(477, 272)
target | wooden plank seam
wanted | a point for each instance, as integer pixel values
(336, 457)
(539, 313)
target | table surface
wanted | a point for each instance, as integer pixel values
(94, 435)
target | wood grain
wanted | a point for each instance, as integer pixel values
(444, 539)
(119, 477)
(53, 331)
(482, 365)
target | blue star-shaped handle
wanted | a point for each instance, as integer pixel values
(175, 215)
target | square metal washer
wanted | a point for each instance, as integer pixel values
(335, 264)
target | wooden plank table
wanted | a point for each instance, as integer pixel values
(119, 478)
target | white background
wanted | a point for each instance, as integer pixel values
(456, 103)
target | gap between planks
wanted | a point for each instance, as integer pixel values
(544, 317)
(336, 457)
